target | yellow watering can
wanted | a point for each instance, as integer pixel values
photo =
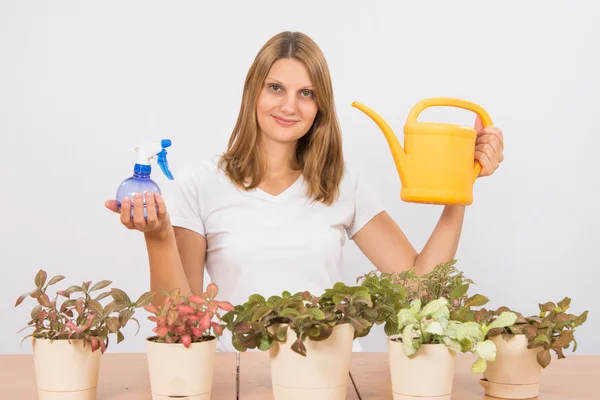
(437, 164)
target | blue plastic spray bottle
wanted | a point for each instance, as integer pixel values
(140, 182)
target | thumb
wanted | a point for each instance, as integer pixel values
(111, 205)
(478, 124)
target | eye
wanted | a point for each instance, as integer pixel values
(308, 93)
(274, 87)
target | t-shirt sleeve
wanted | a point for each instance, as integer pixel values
(366, 206)
(183, 202)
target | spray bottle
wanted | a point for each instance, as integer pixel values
(140, 182)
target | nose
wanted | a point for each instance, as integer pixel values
(288, 104)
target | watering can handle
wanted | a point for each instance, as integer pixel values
(452, 102)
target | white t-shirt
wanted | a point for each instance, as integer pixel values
(265, 244)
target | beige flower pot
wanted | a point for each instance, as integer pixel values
(516, 373)
(321, 375)
(428, 374)
(179, 372)
(65, 371)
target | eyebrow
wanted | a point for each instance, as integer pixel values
(278, 82)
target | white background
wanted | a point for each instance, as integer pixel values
(81, 83)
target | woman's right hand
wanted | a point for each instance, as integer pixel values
(156, 225)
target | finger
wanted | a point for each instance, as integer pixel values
(491, 130)
(478, 124)
(493, 141)
(138, 211)
(126, 213)
(488, 162)
(151, 217)
(112, 206)
(162, 207)
(485, 163)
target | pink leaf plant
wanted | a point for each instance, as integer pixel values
(188, 319)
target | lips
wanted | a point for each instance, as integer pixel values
(285, 122)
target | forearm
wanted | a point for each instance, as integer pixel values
(166, 268)
(443, 242)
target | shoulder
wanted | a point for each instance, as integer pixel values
(202, 171)
(350, 178)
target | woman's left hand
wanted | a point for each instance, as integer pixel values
(489, 148)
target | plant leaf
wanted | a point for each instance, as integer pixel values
(35, 312)
(315, 313)
(476, 301)
(95, 307)
(100, 285)
(548, 307)
(113, 324)
(55, 279)
(256, 298)
(435, 328)
(581, 319)
(479, 366)
(144, 299)
(299, 347)
(40, 278)
(544, 358)
(260, 313)
(73, 289)
(282, 333)
(212, 290)
(102, 296)
(459, 291)
(125, 316)
(505, 319)
(21, 298)
(486, 350)
(286, 312)
(120, 296)
(120, 337)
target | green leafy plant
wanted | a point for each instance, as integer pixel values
(552, 330)
(188, 319)
(259, 323)
(83, 316)
(431, 324)
(445, 280)
(388, 297)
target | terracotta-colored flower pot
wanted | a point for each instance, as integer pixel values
(65, 371)
(516, 373)
(179, 371)
(321, 375)
(428, 374)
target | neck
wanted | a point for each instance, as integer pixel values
(280, 157)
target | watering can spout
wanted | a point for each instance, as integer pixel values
(400, 158)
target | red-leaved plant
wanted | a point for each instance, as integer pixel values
(83, 317)
(187, 319)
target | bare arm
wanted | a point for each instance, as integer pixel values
(384, 243)
(176, 255)
(386, 246)
(192, 251)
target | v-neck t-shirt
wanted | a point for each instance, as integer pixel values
(263, 243)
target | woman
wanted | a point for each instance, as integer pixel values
(272, 213)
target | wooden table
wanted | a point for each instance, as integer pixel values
(125, 377)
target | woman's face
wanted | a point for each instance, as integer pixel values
(286, 105)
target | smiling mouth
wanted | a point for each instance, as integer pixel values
(284, 122)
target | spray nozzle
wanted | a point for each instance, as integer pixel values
(147, 151)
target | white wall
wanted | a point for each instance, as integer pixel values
(81, 83)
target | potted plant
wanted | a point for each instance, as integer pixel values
(76, 332)
(181, 356)
(309, 338)
(524, 348)
(422, 355)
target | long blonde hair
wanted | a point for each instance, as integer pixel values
(318, 152)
